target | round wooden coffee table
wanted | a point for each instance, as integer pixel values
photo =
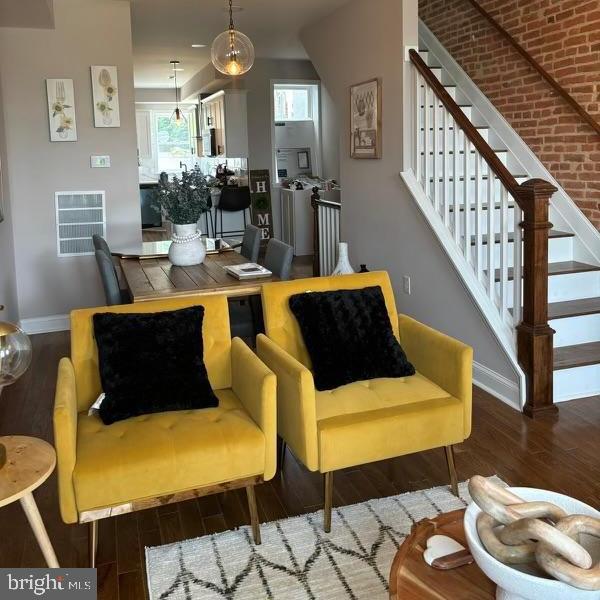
(29, 462)
(411, 578)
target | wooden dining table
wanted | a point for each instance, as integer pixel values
(156, 278)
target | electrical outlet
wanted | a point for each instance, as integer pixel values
(98, 161)
(406, 283)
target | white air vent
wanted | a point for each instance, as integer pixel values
(79, 215)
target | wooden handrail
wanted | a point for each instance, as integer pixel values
(580, 110)
(326, 203)
(534, 335)
(496, 165)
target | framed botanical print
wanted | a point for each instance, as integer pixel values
(61, 110)
(365, 119)
(105, 95)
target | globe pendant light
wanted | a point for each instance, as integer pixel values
(177, 118)
(232, 52)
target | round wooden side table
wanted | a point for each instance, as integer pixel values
(411, 578)
(29, 462)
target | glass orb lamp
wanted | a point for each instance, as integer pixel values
(232, 52)
(15, 353)
(15, 357)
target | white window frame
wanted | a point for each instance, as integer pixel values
(315, 110)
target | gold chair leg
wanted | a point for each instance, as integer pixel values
(452, 469)
(93, 542)
(253, 514)
(328, 501)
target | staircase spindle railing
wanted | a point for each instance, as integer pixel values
(326, 235)
(507, 246)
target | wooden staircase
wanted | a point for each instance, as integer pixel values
(463, 170)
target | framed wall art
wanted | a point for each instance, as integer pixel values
(105, 96)
(365, 119)
(61, 110)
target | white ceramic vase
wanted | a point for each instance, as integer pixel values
(187, 248)
(343, 266)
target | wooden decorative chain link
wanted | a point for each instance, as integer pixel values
(514, 532)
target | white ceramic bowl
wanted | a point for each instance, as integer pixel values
(515, 584)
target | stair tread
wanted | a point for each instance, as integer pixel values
(552, 234)
(483, 177)
(497, 206)
(560, 268)
(573, 308)
(580, 355)
(441, 152)
(441, 128)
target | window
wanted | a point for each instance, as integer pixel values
(293, 102)
(174, 143)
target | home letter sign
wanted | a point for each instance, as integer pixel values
(260, 189)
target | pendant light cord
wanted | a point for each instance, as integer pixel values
(231, 25)
(176, 89)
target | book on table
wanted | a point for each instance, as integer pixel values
(248, 271)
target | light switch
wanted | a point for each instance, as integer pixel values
(100, 161)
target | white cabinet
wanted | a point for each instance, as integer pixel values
(143, 123)
(297, 221)
(227, 112)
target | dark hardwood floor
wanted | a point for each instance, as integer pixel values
(561, 454)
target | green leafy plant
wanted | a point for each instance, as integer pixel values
(183, 200)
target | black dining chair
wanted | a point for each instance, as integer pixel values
(100, 245)
(110, 281)
(233, 199)
(250, 246)
(246, 318)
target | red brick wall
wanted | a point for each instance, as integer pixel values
(564, 37)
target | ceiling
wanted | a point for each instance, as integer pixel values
(164, 30)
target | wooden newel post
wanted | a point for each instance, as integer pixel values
(534, 335)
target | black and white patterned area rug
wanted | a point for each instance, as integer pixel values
(296, 559)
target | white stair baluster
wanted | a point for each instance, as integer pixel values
(455, 181)
(491, 263)
(478, 219)
(503, 251)
(445, 168)
(418, 124)
(467, 200)
(426, 100)
(434, 161)
(518, 264)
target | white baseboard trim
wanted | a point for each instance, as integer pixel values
(497, 385)
(45, 324)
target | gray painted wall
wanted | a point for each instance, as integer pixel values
(330, 129)
(95, 32)
(380, 219)
(8, 282)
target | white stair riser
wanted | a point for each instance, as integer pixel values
(467, 110)
(484, 132)
(460, 192)
(572, 286)
(559, 250)
(576, 330)
(581, 382)
(460, 163)
(451, 89)
(483, 219)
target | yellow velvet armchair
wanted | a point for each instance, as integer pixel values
(365, 421)
(166, 457)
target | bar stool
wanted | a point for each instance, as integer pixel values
(233, 199)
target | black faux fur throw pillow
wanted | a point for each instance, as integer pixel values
(151, 362)
(349, 336)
